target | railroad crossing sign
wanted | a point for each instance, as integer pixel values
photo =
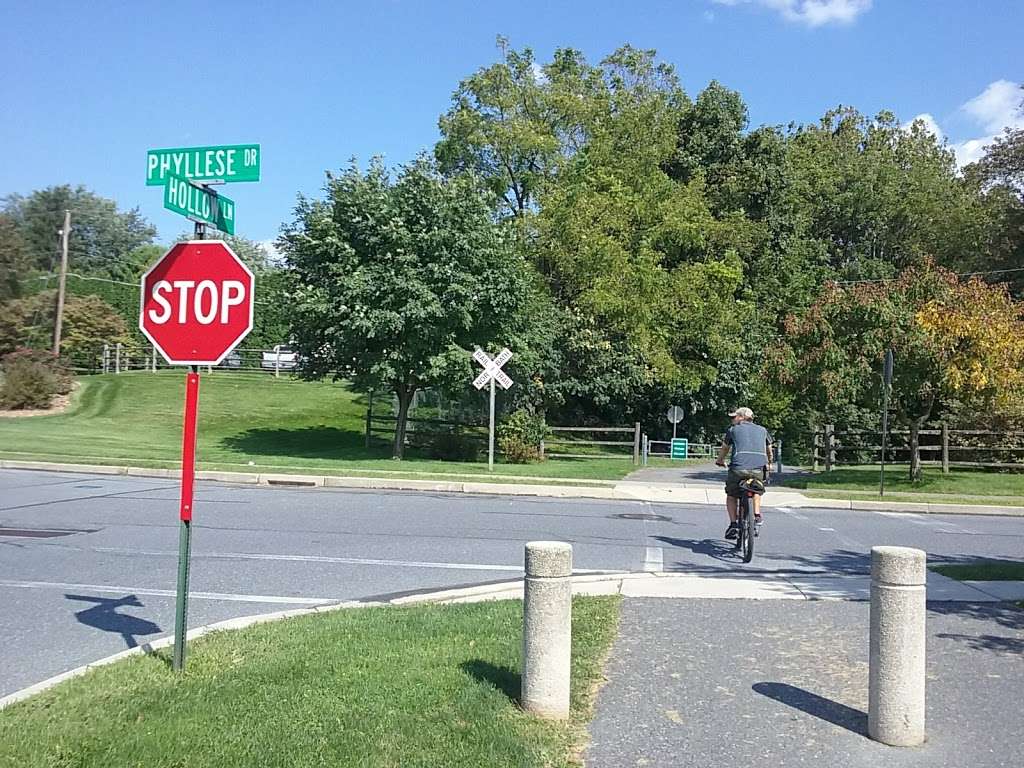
(492, 368)
(492, 373)
(197, 302)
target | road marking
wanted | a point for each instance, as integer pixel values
(827, 529)
(338, 560)
(654, 559)
(109, 588)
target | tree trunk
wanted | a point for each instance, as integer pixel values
(915, 453)
(404, 400)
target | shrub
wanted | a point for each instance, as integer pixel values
(31, 378)
(452, 446)
(519, 437)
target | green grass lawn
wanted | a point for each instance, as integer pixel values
(958, 485)
(417, 686)
(277, 424)
(983, 571)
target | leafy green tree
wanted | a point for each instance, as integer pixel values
(393, 282)
(950, 339)
(101, 236)
(14, 259)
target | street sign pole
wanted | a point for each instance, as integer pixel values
(188, 467)
(886, 387)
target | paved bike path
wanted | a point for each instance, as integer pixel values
(744, 683)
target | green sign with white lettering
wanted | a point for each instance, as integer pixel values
(236, 162)
(680, 448)
(198, 203)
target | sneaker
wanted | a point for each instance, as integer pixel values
(758, 522)
(732, 531)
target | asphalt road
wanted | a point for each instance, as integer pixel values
(94, 569)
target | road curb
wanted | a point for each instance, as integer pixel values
(657, 493)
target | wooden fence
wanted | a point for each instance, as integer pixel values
(420, 431)
(942, 447)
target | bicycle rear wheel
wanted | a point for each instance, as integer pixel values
(747, 531)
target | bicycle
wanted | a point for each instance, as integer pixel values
(745, 518)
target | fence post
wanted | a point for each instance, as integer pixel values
(106, 357)
(945, 448)
(814, 448)
(547, 628)
(153, 364)
(277, 363)
(542, 449)
(117, 358)
(636, 443)
(778, 457)
(896, 661)
(830, 441)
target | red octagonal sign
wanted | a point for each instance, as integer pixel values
(197, 302)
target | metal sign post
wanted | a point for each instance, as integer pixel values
(674, 415)
(886, 389)
(492, 373)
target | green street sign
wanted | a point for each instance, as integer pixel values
(199, 203)
(236, 162)
(680, 448)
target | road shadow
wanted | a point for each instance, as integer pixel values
(825, 709)
(995, 616)
(713, 548)
(504, 679)
(104, 616)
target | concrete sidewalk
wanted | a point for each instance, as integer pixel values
(700, 491)
(740, 683)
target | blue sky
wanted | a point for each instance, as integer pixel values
(87, 88)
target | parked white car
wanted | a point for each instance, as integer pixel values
(281, 358)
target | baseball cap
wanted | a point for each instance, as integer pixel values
(743, 413)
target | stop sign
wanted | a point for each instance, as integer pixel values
(197, 302)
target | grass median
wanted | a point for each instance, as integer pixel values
(999, 570)
(247, 422)
(412, 686)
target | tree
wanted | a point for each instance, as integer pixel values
(14, 259)
(393, 282)
(255, 255)
(950, 340)
(101, 236)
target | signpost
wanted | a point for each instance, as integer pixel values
(492, 373)
(208, 165)
(886, 390)
(679, 448)
(674, 415)
(199, 203)
(196, 306)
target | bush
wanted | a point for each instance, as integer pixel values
(31, 377)
(519, 437)
(452, 446)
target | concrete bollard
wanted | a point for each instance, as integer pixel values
(896, 676)
(547, 628)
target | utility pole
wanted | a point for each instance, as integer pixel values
(63, 278)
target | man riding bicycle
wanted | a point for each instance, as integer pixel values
(751, 447)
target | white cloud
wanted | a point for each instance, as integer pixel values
(813, 13)
(709, 16)
(997, 107)
(274, 255)
(538, 74)
(930, 125)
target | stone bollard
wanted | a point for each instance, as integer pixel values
(547, 628)
(896, 676)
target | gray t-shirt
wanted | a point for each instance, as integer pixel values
(749, 443)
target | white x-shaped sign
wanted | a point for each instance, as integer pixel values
(492, 369)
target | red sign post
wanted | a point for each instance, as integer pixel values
(197, 305)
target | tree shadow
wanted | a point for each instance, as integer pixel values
(504, 679)
(1003, 615)
(320, 442)
(104, 616)
(825, 709)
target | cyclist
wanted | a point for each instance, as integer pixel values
(751, 447)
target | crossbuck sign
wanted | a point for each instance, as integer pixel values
(492, 369)
(492, 373)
